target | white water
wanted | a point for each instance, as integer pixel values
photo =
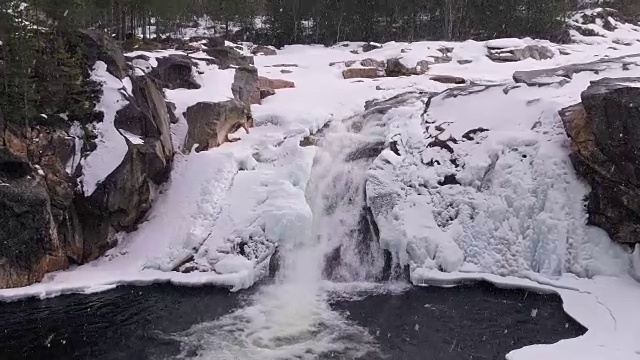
(292, 318)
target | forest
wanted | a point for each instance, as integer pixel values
(40, 40)
(281, 22)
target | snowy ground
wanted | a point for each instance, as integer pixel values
(517, 219)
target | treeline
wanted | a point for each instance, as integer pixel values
(283, 22)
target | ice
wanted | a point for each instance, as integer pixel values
(233, 264)
(503, 206)
(111, 146)
(134, 139)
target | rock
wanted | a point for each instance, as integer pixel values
(264, 50)
(362, 73)
(171, 110)
(276, 84)
(395, 68)
(61, 226)
(175, 72)
(265, 93)
(283, 65)
(226, 57)
(464, 62)
(605, 150)
(370, 47)
(100, 47)
(536, 52)
(245, 85)
(122, 199)
(29, 246)
(211, 123)
(563, 74)
(369, 62)
(448, 79)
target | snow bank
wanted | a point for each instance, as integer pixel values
(111, 146)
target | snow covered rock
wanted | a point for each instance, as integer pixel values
(264, 50)
(226, 57)
(606, 152)
(100, 47)
(396, 67)
(127, 193)
(536, 52)
(211, 123)
(371, 46)
(175, 72)
(564, 74)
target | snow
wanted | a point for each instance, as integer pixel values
(111, 146)
(514, 216)
(505, 43)
(133, 138)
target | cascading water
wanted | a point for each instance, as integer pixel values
(292, 318)
(342, 223)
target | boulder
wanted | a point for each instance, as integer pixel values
(536, 52)
(370, 47)
(226, 57)
(369, 62)
(175, 72)
(605, 150)
(275, 84)
(245, 85)
(395, 68)
(101, 47)
(265, 93)
(211, 123)
(448, 79)
(264, 50)
(362, 73)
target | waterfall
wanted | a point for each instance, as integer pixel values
(292, 318)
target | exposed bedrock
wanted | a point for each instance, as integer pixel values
(605, 151)
(48, 221)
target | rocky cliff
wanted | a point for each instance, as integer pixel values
(605, 151)
(52, 215)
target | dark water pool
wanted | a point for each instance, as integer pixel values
(467, 322)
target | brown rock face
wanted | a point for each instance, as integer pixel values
(362, 73)
(211, 123)
(605, 150)
(47, 223)
(29, 242)
(275, 84)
